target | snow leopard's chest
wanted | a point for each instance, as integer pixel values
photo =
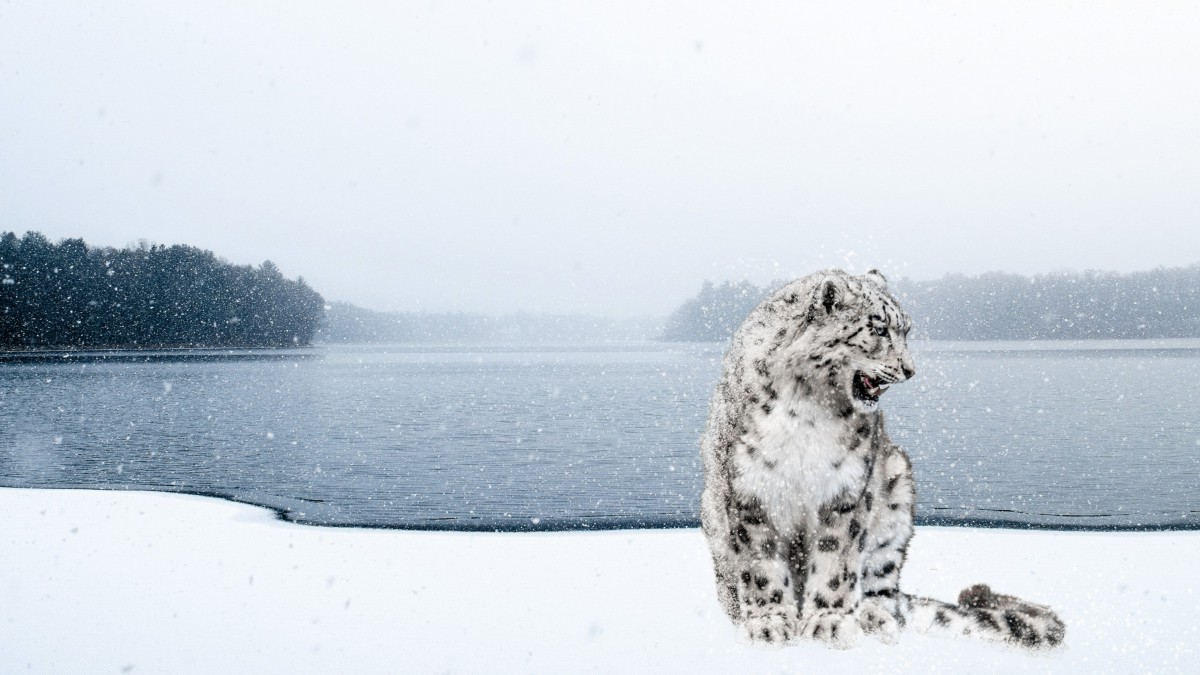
(801, 460)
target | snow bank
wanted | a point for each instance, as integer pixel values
(108, 582)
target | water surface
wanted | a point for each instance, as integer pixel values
(1096, 434)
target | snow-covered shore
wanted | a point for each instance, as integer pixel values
(111, 582)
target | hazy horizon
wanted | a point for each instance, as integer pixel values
(769, 285)
(606, 159)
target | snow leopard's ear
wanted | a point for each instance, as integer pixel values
(877, 277)
(831, 294)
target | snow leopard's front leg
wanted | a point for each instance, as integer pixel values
(766, 591)
(834, 564)
(888, 509)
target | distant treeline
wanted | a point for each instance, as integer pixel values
(68, 295)
(345, 322)
(1162, 303)
(714, 313)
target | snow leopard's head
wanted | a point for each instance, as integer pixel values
(852, 342)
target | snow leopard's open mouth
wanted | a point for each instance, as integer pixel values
(867, 389)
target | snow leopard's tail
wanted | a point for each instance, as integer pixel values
(983, 613)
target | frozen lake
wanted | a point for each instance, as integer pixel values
(1095, 434)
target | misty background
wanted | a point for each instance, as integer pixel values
(606, 159)
(550, 185)
(67, 294)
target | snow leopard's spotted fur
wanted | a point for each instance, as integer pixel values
(807, 504)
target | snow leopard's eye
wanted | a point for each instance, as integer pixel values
(880, 330)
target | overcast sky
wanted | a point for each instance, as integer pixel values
(606, 157)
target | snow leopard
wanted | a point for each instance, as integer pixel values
(807, 504)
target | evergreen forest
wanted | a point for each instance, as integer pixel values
(68, 295)
(1160, 303)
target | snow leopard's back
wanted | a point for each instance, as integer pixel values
(727, 414)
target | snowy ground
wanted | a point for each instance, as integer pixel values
(108, 582)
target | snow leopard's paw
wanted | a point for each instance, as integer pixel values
(878, 622)
(771, 629)
(836, 629)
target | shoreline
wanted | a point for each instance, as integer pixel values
(225, 587)
(156, 354)
(518, 524)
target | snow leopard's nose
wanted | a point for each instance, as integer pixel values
(909, 370)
